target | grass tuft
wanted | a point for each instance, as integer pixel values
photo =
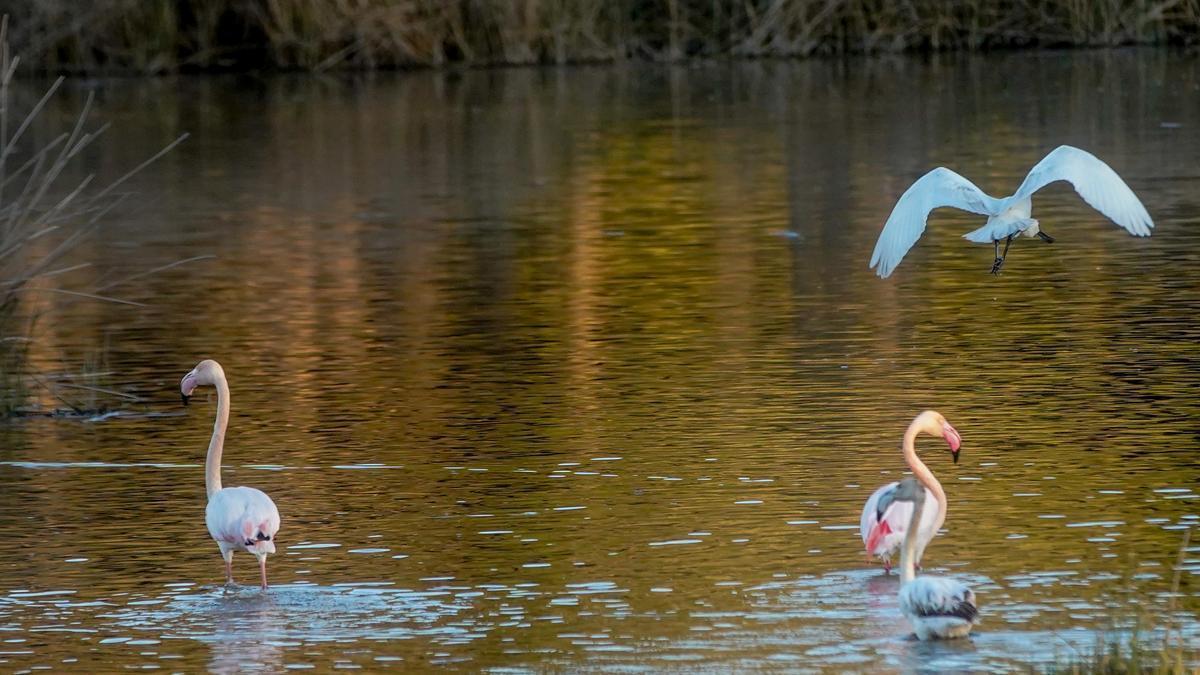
(1159, 650)
(1131, 653)
(44, 215)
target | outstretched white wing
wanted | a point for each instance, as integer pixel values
(1095, 181)
(940, 187)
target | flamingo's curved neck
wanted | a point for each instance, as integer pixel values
(212, 465)
(923, 474)
(908, 554)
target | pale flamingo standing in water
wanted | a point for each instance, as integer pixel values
(938, 608)
(884, 521)
(238, 518)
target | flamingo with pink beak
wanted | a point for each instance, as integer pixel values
(885, 520)
(238, 518)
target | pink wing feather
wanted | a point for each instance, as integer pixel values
(883, 535)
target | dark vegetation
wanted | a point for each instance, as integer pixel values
(180, 35)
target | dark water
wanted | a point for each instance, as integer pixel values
(584, 369)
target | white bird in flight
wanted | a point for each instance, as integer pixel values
(1008, 217)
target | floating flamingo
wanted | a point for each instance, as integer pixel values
(1009, 217)
(938, 608)
(884, 522)
(238, 518)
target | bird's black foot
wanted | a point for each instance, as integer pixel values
(1045, 237)
(999, 262)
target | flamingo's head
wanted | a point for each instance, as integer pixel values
(205, 373)
(933, 423)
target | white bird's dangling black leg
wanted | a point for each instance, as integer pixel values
(999, 261)
(1045, 237)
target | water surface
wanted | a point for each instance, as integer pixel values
(584, 369)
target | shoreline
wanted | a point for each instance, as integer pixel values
(206, 36)
(460, 68)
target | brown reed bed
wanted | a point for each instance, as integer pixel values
(166, 36)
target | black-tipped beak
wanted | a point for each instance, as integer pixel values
(954, 454)
(185, 398)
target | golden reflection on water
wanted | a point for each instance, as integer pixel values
(585, 368)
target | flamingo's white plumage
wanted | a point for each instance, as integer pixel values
(888, 520)
(884, 520)
(238, 518)
(938, 608)
(1008, 217)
